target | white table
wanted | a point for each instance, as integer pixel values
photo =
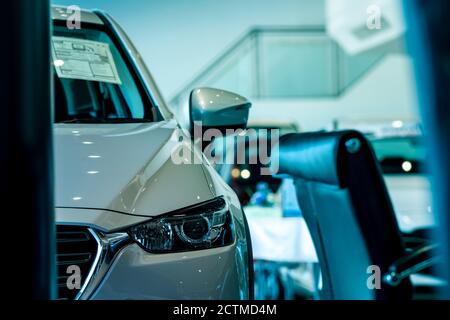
(280, 239)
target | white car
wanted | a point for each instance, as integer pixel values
(402, 160)
(132, 222)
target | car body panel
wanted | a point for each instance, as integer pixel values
(126, 168)
(208, 274)
(218, 273)
(98, 219)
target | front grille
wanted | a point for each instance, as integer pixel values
(75, 246)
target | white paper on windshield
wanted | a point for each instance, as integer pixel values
(84, 59)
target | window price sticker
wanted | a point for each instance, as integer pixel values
(84, 60)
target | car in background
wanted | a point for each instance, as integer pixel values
(400, 150)
(402, 157)
(131, 222)
(402, 162)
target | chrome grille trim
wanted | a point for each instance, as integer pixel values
(94, 264)
(107, 246)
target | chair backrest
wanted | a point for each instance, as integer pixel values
(347, 208)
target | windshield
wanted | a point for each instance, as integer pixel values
(400, 155)
(93, 82)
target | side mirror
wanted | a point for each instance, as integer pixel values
(218, 109)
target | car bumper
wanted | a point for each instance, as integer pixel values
(205, 274)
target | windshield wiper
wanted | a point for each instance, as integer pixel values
(80, 120)
(105, 120)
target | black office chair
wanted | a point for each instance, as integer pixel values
(346, 206)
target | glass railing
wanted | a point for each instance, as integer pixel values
(286, 63)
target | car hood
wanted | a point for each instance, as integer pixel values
(124, 168)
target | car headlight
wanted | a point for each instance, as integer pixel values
(203, 226)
